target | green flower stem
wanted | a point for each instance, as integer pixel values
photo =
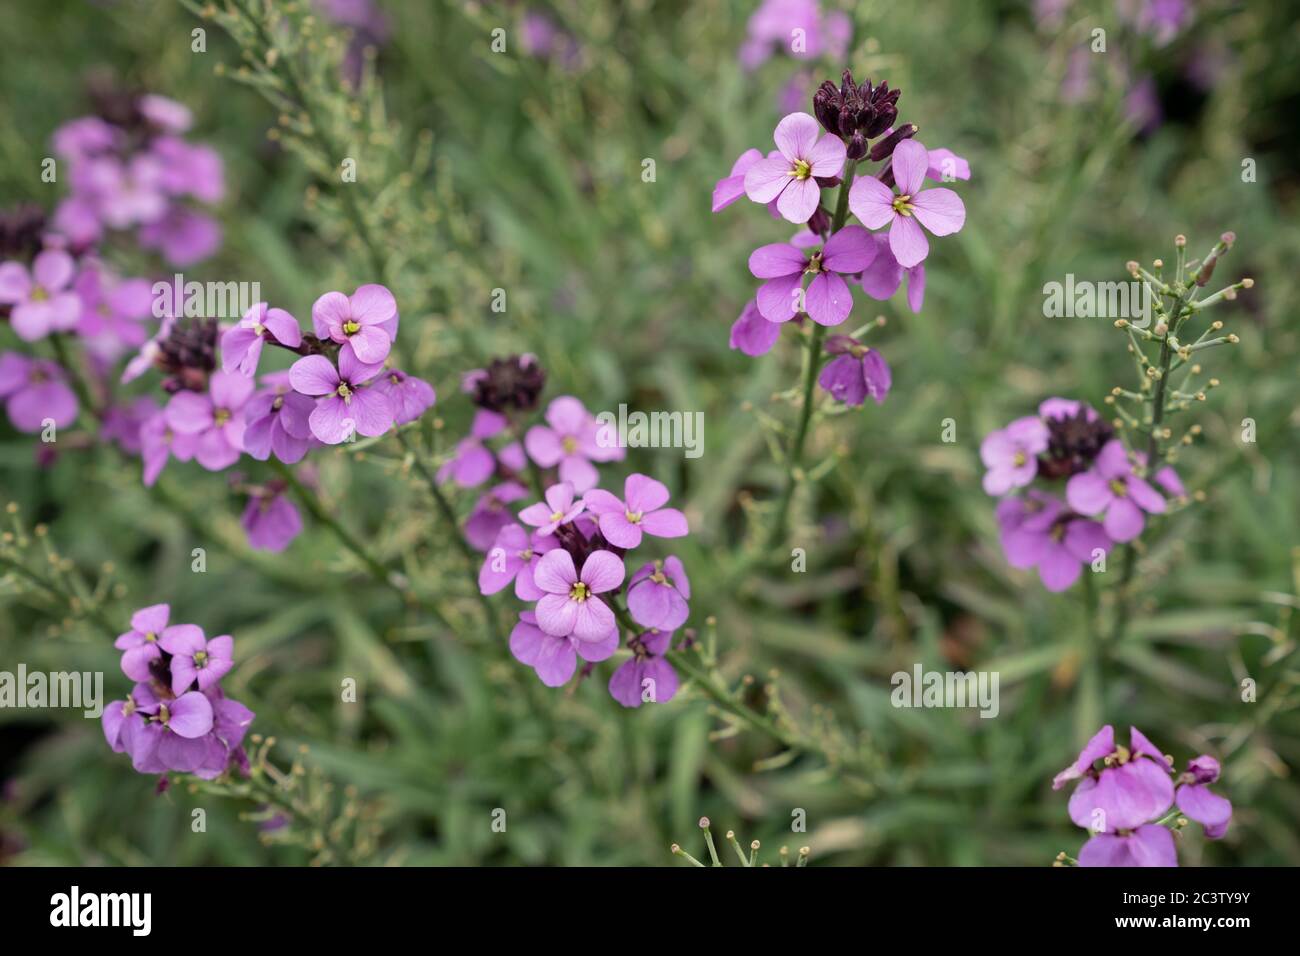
(312, 503)
(811, 366)
(1089, 703)
(94, 614)
(472, 559)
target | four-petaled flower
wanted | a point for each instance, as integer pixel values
(348, 402)
(641, 510)
(939, 210)
(570, 604)
(827, 300)
(791, 177)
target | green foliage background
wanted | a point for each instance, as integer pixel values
(625, 290)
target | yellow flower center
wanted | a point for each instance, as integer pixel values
(221, 416)
(151, 637)
(633, 516)
(570, 444)
(1019, 458)
(802, 169)
(351, 327)
(201, 658)
(557, 516)
(579, 592)
(1118, 487)
(344, 392)
(903, 205)
(39, 294)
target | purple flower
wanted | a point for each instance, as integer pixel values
(122, 423)
(939, 210)
(773, 25)
(174, 739)
(572, 442)
(195, 658)
(158, 443)
(42, 300)
(827, 299)
(1132, 787)
(367, 319)
(164, 113)
(410, 397)
(570, 604)
(1110, 486)
(657, 595)
(1011, 454)
(1195, 799)
(514, 556)
(349, 404)
(472, 464)
(490, 514)
(277, 420)
(856, 373)
(183, 236)
(241, 346)
(881, 279)
(753, 334)
(35, 391)
(122, 720)
(1147, 845)
(641, 510)
(1038, 531)
(112, 311)
(943, 165)
(141, 642)
(791, 178)
(558, 508)
(270, 520)
(215, 419)
(555, 658)
(646, 677)
(732, 187)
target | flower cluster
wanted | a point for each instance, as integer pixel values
(1070, 490)
(565, 555)
(177, 718)
(130, 168)
(811, 276)
(1128, 799)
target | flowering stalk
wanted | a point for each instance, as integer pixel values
(812, 365)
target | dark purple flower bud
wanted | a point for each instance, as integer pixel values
(886, 146)
(1204, 769)
(826, 107)
(20, 232)
(1073, 443)
(884, 118)
(820, 223)
(511, 383)
(189, 354)
(857, 146)
(845, 124)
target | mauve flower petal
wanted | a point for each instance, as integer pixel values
(618, 531)
(230, 390)
(910, 161)
(766, 179)
(943, 164)
(666, 523)
(658, 680)
(370, 345)
(1102, 744)
(52, 269)
(556, 661)
(329, 312)
(799, 200)
(313, 375)
(849, 250)
(643, 493)
(284, 327)
(182, 639)
(1088, 493)
(602, 571)
(827, 157)
(1083, 538)
(907, 241)
(151, 619)
(939, 210)
(1152, 845)
(136, 660)
(842, 378)
(828, 300)
(1112, 460)
(776, 259)
(1144, 496)
(556, 614)
(567, 415)
(191, 715)
(625, 683)
(183, 673)
(1208, 809)
(555, 572)
(112, 720)
(1057, 568)
(372, 304)
(599, 501)
(579, 472)
(777, 298)
(526, 642)
(752, 334)
(1123, 521)
(372, 412)
(877, 374)
(1139, 744)
(796, 135)
(235, 345)
(328, 421)
(352, 369)
(881, 278)
(596, 651)
(1106, 850)
(915, 288)
(594, 619)
(727, 191)
(15, 283)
